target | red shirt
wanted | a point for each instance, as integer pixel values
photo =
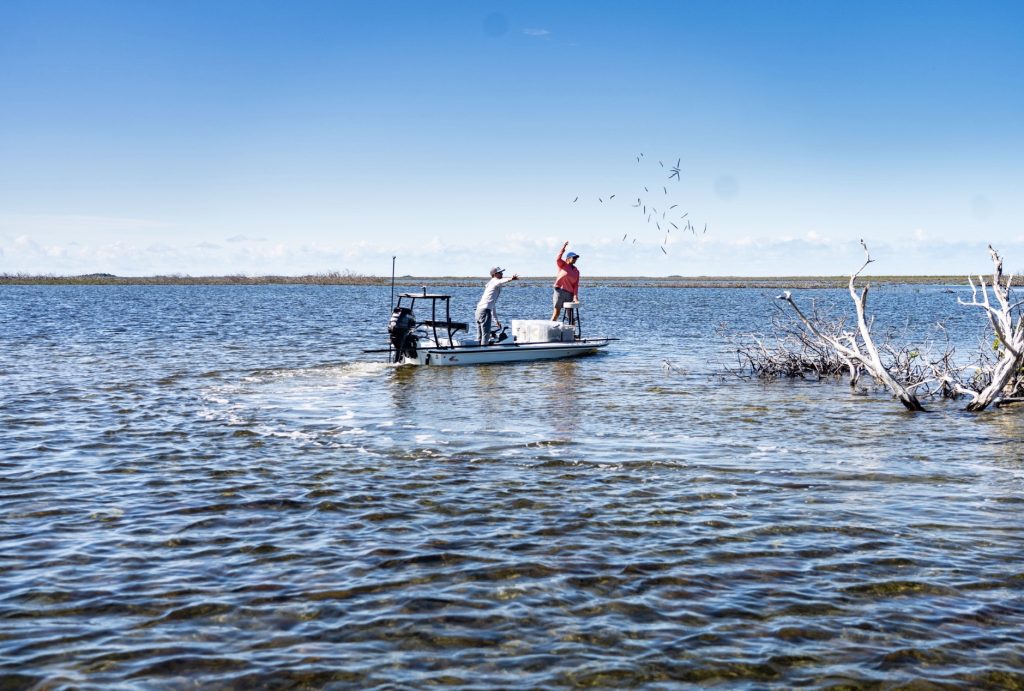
(568, 277)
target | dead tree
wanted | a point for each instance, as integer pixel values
(815, 344)
(857, 348)
(1003, 378)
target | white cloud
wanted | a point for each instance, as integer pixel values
(26, 244)
(537, 33)
(529, 256)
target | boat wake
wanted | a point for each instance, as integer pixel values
(323, 404)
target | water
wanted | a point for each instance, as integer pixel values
(215, 487)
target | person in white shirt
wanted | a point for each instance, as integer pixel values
(487, 308)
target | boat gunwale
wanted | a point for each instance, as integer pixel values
(531, 345)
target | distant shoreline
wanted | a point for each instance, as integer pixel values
(334, 278)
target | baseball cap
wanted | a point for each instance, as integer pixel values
(571, 255)
(496, 270)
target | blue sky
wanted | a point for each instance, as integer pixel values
(218, 137)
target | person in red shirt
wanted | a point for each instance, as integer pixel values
(567, 282)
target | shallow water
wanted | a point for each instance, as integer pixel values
(214, 486)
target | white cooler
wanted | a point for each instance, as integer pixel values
(541, 331)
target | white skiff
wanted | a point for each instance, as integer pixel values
(433, 341)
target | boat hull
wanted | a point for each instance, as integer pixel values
(500, 353)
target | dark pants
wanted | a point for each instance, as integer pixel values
(483, 325)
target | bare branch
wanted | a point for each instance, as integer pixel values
(1004, 375)
(813, 344)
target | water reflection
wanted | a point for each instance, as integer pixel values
(562, 398)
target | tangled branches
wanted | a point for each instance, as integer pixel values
(786, 351)
(789, 350)
(812, 343)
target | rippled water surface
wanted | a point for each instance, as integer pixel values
(216, 487)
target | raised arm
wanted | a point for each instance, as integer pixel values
(494, 310)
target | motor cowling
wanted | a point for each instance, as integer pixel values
(400, 330)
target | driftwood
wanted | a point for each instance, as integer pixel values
(858, 348)
(1004, 376)
(812, 343)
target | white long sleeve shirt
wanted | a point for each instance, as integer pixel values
(490, 297)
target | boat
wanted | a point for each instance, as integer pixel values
(437, 341)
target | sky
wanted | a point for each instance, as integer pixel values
(215, 137)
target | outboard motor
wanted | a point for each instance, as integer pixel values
(400, 329)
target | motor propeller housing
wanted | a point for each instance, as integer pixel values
(400, 329)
